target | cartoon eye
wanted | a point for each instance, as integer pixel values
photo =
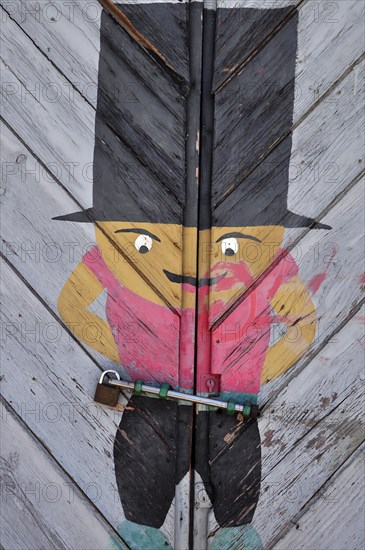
(230, 246)
(143, 244)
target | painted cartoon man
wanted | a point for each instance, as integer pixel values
(138, 262)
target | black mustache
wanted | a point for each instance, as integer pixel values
(207, 281)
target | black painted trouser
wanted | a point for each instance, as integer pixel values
(148, 465)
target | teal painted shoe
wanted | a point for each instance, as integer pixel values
(141, 537)
(244, 537)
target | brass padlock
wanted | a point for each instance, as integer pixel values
(105, 394)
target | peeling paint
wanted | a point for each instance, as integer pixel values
(316, 282)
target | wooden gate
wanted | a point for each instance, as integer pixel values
(181, 202)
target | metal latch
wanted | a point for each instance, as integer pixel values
(106, 385)
(202, 499)
(210, 382)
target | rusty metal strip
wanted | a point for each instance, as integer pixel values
(124, 22)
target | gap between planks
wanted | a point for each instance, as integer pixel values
(37, 296)
(79, 205)
(328, 208)
(312, 358)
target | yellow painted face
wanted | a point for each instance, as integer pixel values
(147, 258)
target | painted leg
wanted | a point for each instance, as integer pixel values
(145, 456)
(233, 477)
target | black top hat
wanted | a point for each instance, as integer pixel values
(125, 189)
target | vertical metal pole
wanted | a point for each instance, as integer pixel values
(203, 344)
(183, 507)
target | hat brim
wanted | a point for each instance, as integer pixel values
(290, 220)
(84, 216)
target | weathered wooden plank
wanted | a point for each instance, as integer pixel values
(324, 276)
(309, 464)
(60, 132)
(38, 246)
(42, 249)
(306, 467)
(54, 394)
(327, 150)
(309, 398)
(317, 268)
(41, 506)
(321, 263)
(37, 274)
(239, 102)
(135, 175)
(239, 32)
(54, 397)
(314, 68)
(325, 40)
(56, 247)
(69, 35)
(174, 525)
(333, 272)
(126, 103)
(328, 43)
(147, 19)
(340, 502)
(244, 129)
(326, 156)
(313, 393)
(141, 103)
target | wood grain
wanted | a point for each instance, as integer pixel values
(148, 18)
(307, 400)
(54, 394)
(309, 464)
(239, 33)
(253, 110)
(313, 393)
(326, 157)
(327, 46)
(37, 236)
(57, 246)
(135, 100)
(336, 262)
(321, 38)
(37, 246)
(318, 522)
(312, 61)
(54, 398)
(42, 506)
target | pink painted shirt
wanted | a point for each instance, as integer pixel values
(150, 342)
